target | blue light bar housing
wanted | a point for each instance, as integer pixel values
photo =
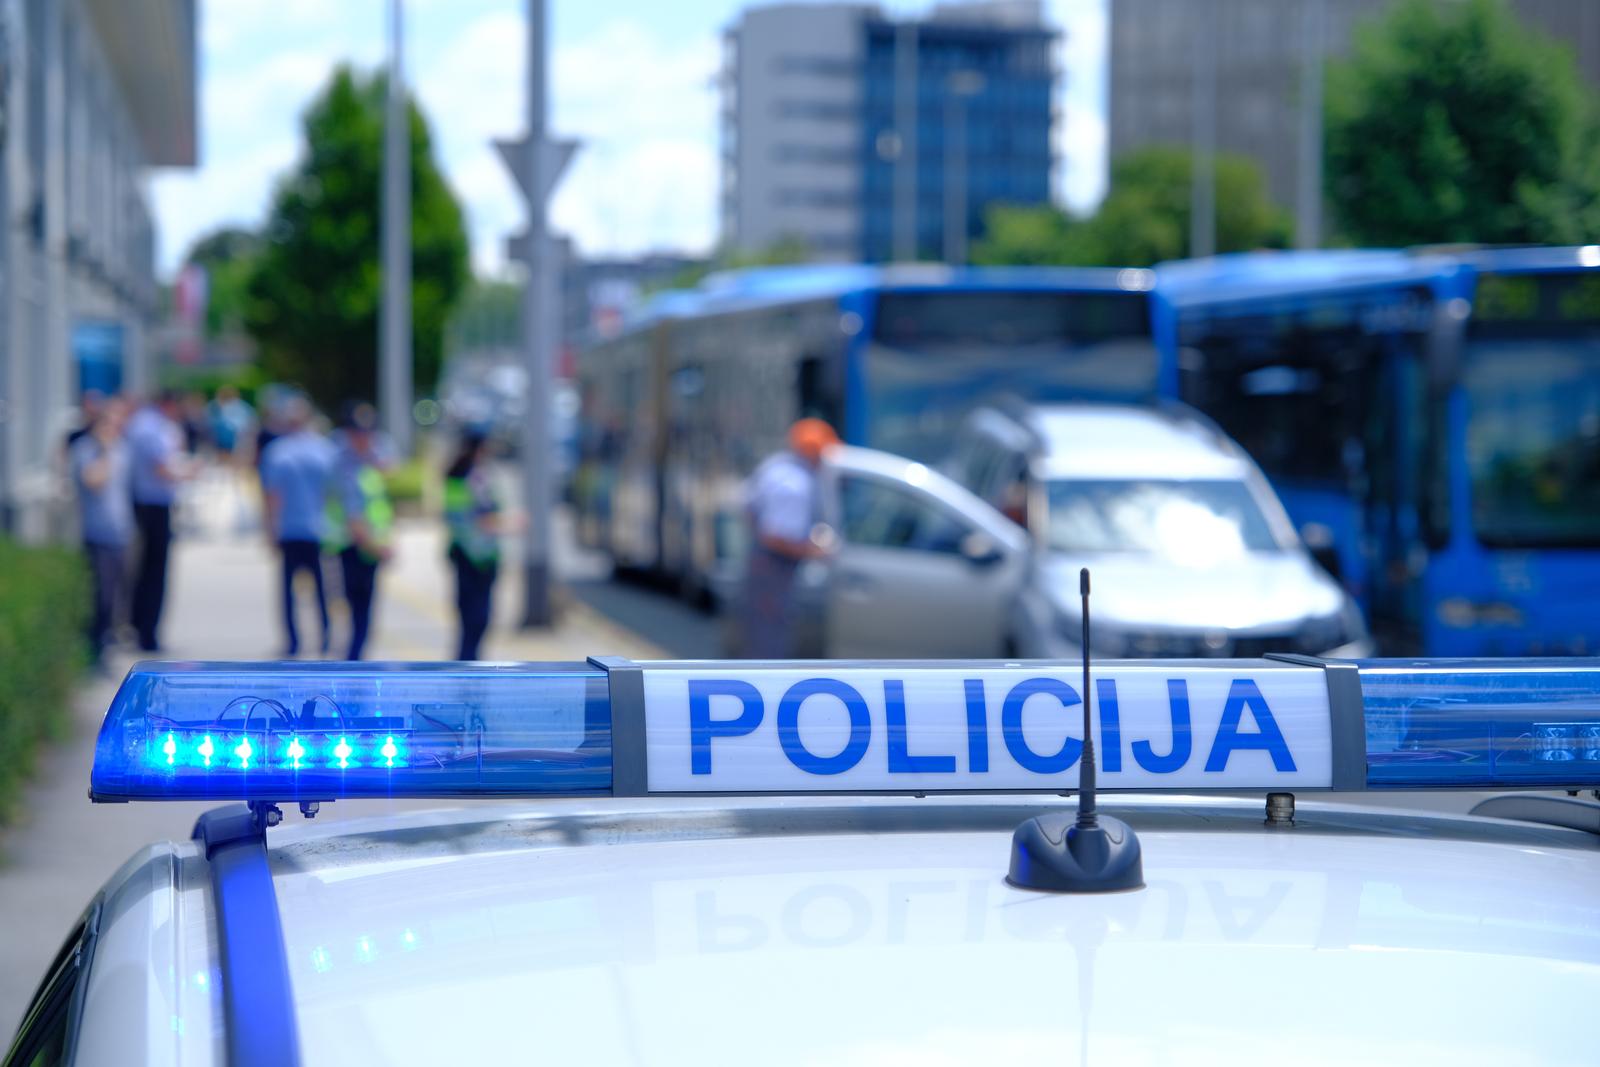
(298, 731)
(1482, 724)
(317, 731)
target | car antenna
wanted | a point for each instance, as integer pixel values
(1089, 853)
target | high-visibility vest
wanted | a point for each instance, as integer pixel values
(464, 505)
(375, 509)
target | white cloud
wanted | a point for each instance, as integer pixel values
(645, 176)
(232, 191)
(1080, 133)
(641, 100)
(225, 24)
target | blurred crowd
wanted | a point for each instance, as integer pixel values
(324, 500)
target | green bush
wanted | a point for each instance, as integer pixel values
(44, 601)
(409, 482)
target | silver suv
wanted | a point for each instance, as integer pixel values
(1193, 554)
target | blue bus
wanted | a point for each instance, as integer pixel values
(681, 406)
(1431, 420)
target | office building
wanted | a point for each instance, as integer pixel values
(1260, 52)
(873, 138)
(96, 93)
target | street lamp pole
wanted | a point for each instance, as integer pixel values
(538, 312)
(1308, 192)
(394, 341)
(961, 85)
(905, 125)
(1203, 156)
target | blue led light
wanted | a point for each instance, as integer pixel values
(296, 731)
(1482, 723)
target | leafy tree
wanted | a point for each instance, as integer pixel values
(316, 292)
(1142, 221)
(1454, 123)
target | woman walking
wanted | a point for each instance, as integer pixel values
(472, 514)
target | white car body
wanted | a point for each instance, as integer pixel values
(875, 931)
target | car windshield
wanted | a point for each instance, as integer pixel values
(1191, 522)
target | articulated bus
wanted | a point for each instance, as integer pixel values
(679, 409)
(1431, 421)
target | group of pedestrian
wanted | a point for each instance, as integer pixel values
(126, 468)
(327, 497)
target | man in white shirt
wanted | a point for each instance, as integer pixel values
(781, 505)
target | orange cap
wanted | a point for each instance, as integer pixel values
(810, 438)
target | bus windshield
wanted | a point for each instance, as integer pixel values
(933, 355)
(1192, 522)
(1532, 380)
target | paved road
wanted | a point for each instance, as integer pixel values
(222, 606)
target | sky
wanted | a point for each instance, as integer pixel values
(633, 80)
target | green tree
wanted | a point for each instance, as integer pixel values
(316, 292)
(1143, 220)
(1454, 123)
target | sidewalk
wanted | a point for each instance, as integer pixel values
(222, 604)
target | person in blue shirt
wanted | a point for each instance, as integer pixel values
(100, 472)
(155, 449)
(296, 470)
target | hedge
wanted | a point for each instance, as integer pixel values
(44, 603)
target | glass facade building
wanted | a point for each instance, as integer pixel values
(983, 107)
(867, 138)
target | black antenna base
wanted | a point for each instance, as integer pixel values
(1052, 853)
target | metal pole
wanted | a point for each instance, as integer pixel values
(1203, 181)
(955, 181)
(905, 121)
(537, 315)
(1308, 191)
(394, 374)
(958, 87)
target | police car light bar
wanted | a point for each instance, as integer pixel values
(311, 731)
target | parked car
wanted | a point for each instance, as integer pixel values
(1192, 548)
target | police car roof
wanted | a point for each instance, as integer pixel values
(1109, 441)
(883, 930)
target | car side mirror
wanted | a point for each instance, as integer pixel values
(980, 550)
(1319, 541)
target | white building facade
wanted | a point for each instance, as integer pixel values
(95, 93)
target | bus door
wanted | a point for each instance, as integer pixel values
(1522, 572)
(1322, 397)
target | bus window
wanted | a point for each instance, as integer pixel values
(934, 355)
(1531, 375)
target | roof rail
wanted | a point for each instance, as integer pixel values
(1570, 812)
